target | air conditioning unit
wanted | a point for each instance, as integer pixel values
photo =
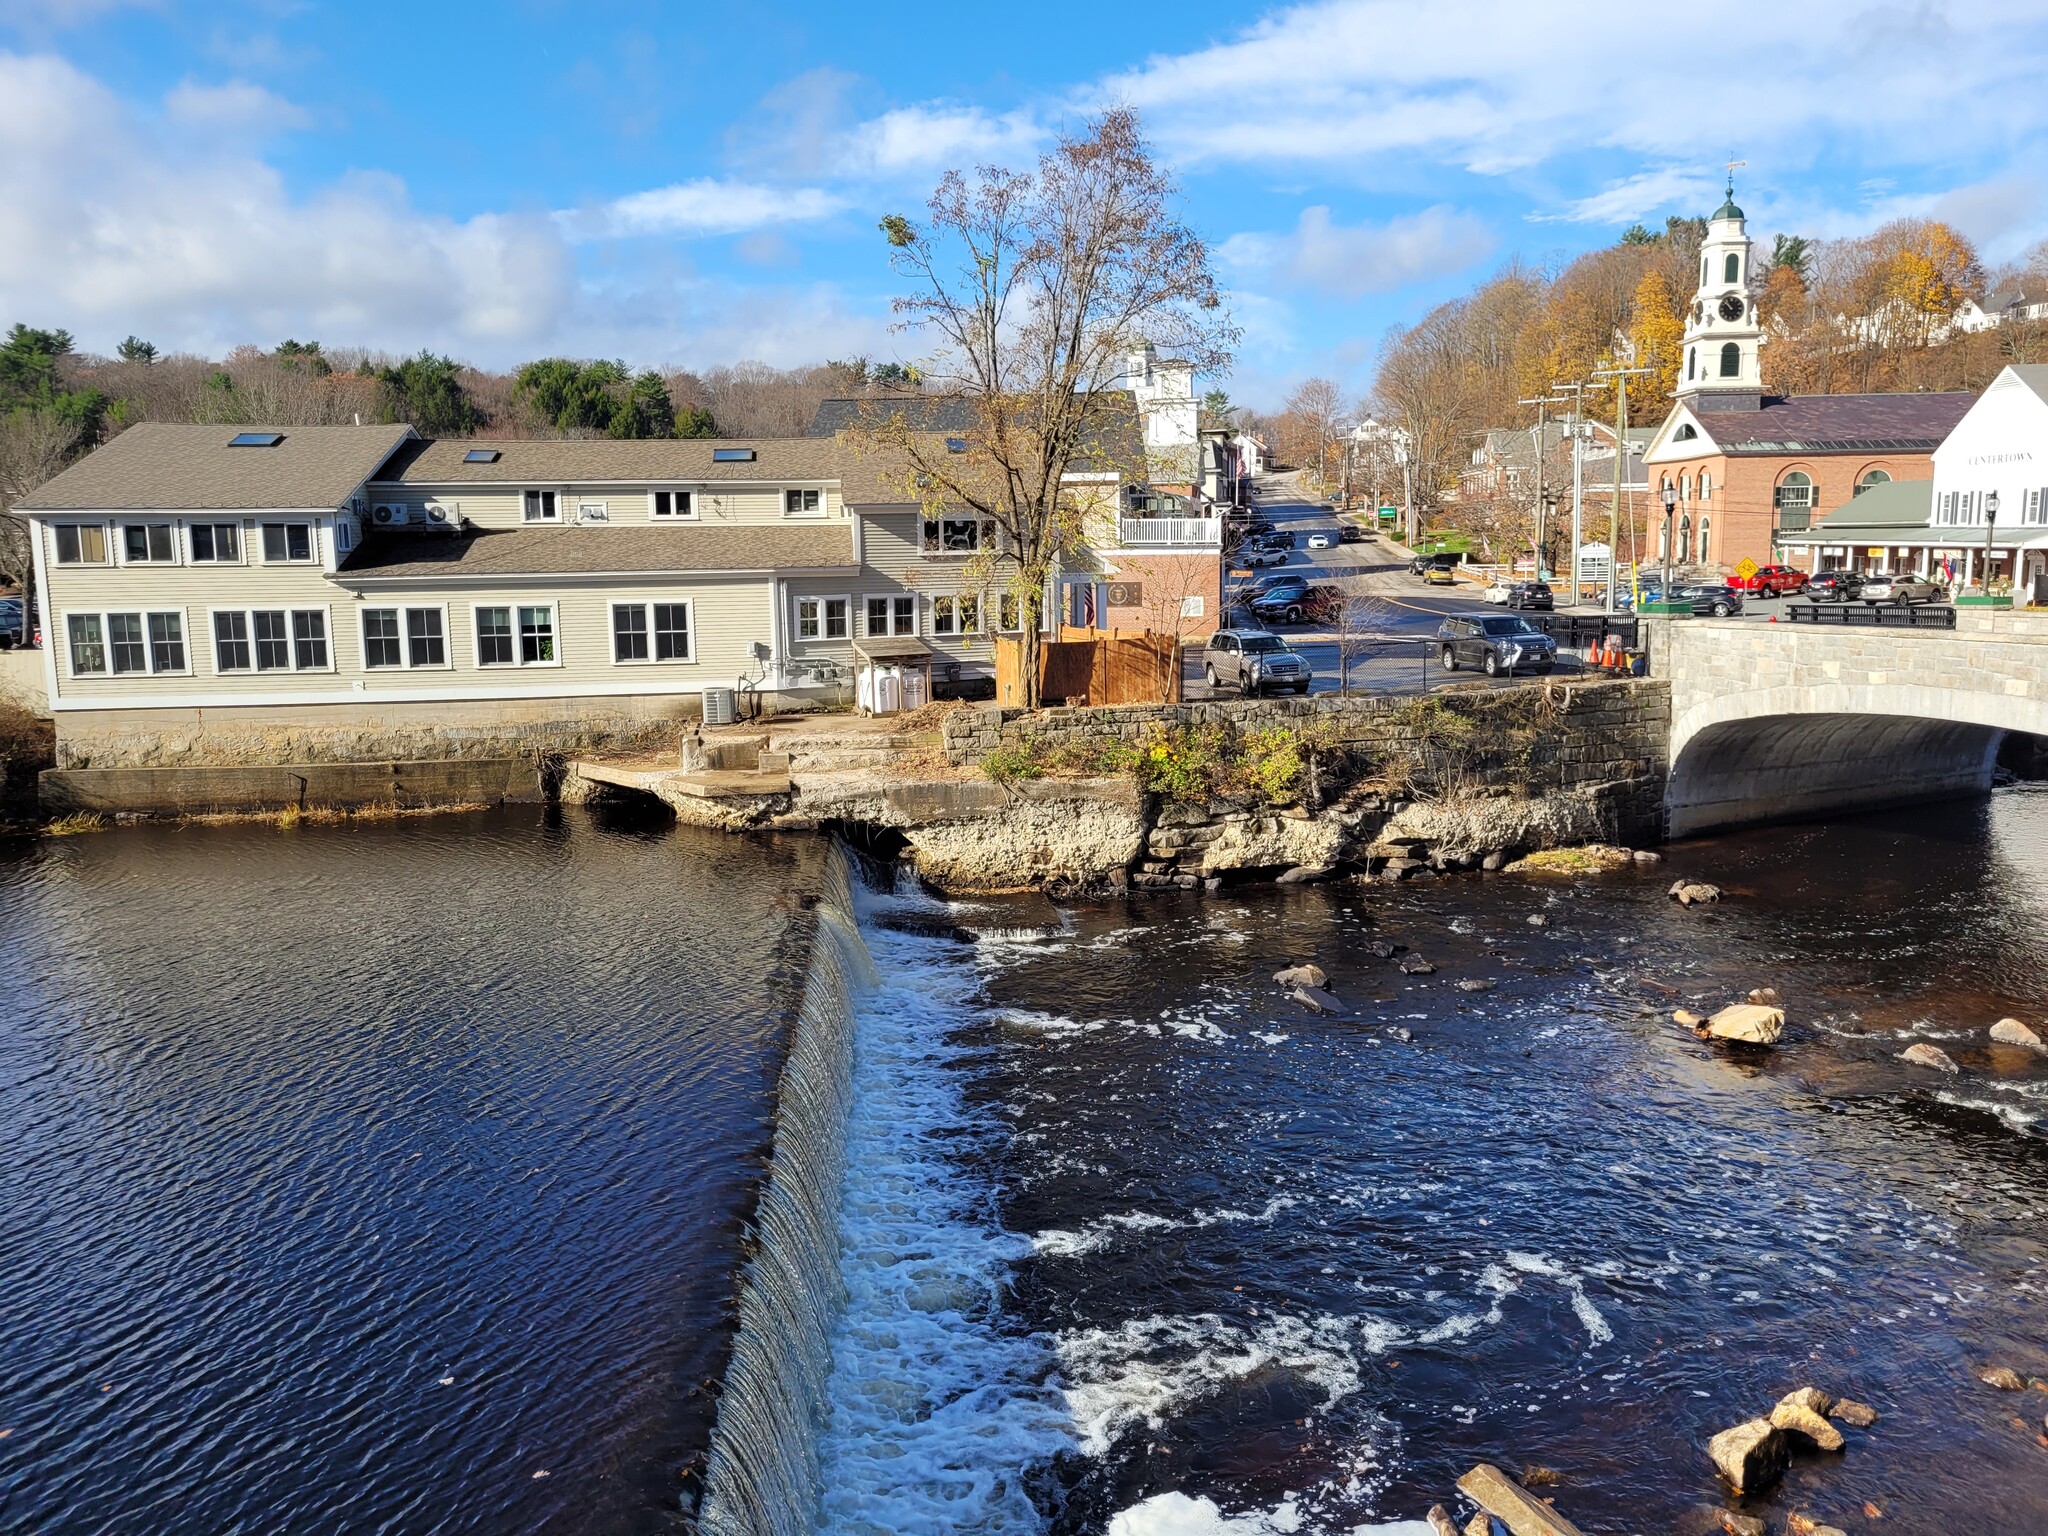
(437, 515)
(387, 517)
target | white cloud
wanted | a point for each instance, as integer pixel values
(936, 136)
(1353, 261)
(812, 126)
(236, 106)
(701, 207)
(1622, 202)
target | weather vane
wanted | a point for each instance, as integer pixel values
(1733, 167)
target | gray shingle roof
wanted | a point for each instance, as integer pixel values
(921, 413)
(162, 467)
(593, 461)
(1899, 423)
(625, 551)
(1883, 509)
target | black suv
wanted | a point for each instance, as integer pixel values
(1834, 587)
(1494, 643)
(1254, 660)
(1531, 594)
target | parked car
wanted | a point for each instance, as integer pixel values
(1322, 538)
(1440, 575)
(1419, 564)
(1351, 533)
(1287, 582)
(1899, 588)
(1495, 644)
(1834, 586)
(1771, 581)
(1531, 594)
(1258, 556)
(1497, 590)
(1715, 600)
(1288, 606)
(1254, 660)
(13, 623)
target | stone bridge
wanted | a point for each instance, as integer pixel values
(1778, 721)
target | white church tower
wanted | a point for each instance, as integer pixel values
(1165, 391)
(1722, 371)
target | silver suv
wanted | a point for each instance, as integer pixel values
(1899, 588)
(1254, 661)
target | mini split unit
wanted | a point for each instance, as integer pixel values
(410, 517)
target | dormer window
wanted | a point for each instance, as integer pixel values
(802, 503)
(542, 507)
(674, 504)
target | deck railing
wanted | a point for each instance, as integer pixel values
(1170, 532)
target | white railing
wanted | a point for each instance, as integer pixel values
(1153, 532)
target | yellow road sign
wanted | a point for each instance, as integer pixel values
(1747, 569)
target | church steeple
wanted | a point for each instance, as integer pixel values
(1722, 371)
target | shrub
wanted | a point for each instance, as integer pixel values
(1010, 765)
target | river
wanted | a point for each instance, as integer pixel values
(300, 1125)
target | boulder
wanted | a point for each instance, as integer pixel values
(1750, 1456)
(1415, 965)
(1850, 1412)
(1767, 996)
(1493, 861)
(1304, 874)
(2003, 1377)
(1690, 1020)
(1689, 893)
(1797, 1524)
(2013, 1032)
(1481, 1524)
(1931, 1056)
(1748, 1024)
(1798, 1419)
(1645, 856)
(1306, 974)
(1809, 1397)
(1473, 984)
(1498, 1495)
(1401, 1032)
(1440, 1521)
(1742, 1525)
(1316, 998)
(1380, 949)
(1538, 920)
(1535, 1476)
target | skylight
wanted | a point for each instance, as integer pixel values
(732, 455)
(255, 439)
(481, 456)
(956, 445)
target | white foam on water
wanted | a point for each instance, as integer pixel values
(1596, 1326)
(1176, 1514)
(1105, 1230)
(2011, 1116)
(935, 1407)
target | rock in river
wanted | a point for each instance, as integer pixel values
(1768, 996)
(1798, 1419)
(1380, 949)
(1925, 1055)
(1748, 1024)
(1473, 984)
(2013, 1032)
(1851, 1412)
(1751, 1456)
(1415, 965)
(1689, 893)
(2003, 1377)
(1809, 1397)
(1307, 974)
(1742, 1525)
(1316, 998)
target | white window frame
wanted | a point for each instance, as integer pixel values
(984, 535)
(649, 604)
(214, 525)
(171, 531)
(312, 528)
(893, 599)
(592, 512)
(946, 605)
(554, 500)
(248, 613)
(106, 544)
(105, 616)
(799, 493)
(405, 662)
(517, 663)
(655, 513)
(821, 637)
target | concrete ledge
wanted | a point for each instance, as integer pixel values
(274, 787)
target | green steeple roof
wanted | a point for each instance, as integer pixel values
(1728, 210)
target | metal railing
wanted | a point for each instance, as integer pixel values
(1580, 630)
(1916, 616)
(1183, 532)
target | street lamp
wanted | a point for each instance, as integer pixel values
(1990, 522)
(1670, 506)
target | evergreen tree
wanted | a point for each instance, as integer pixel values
(135, 350)
(427, 392)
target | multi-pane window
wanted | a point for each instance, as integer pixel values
(822, 618)
(542, 507)
(125, 643)
(1731, 268)
(287, 543)
(629, 632)
(957, 535)
(147, 544)
(959, 615)
(380, 638)
(1009, 612)
(650, 631)
(404, 637)
(216, 543)
(2035, 513)
(892, 615)
(273, 640)
(536, 635)
(309, 638)
(494, 637)
(801, 503)
(674, 504)
(231, 642)
(81, 543)
(671, 631)
(1731, 361)
(425, 644)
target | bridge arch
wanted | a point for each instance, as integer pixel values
(1782, 753)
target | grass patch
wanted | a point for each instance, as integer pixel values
(1592, 859)
(77, 824)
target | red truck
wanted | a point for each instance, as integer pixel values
(1771, 581)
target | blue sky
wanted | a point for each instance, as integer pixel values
(698, 184)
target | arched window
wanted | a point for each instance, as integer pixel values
(1731, 361)
(1685, 540)
(1875, 477)
(1794, 500)
(1686, 432)
(1684, 486)
(1706, 551)
(1703, 271)
(1706, 488)
(1691, 356)
(1731, 268)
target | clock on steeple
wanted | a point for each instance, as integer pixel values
(1721, 371)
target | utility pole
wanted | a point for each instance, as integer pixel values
(1578, 480)
(1542, 405)
(1620, 377)
(1403, 451)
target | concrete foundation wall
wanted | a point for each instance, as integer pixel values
(271, 787)
(23, 682)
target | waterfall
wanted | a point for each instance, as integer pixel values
(762, 1475)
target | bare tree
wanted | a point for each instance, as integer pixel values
(1365, 630)
(34, 445)
(1032, 288)
(1314, 419)
(1169, 584)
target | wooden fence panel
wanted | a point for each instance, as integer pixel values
(1096, 666)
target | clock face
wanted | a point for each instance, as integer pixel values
(1731, 308)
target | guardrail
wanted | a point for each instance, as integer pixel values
(1876, 615)
(1157, 532)
(1580, 630)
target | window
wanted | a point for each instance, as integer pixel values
(1009, 613)
(1686, 430)
(823, 618)
(494, 637)
(231, 642)
(166, 642)
(124, 642)
(273, 640)
(481, 456)
(147, 544)
(541, 507)
(1706, 553)
(667, 638)
(81, 544)
(88, 644)
(380, 639)
(1731, 269)
(1875, 477)
(2035, 512)
(1731, 361)
(309, 639)
(959, 615)
(255, 439)
(1684, 487)
(801, 504)
(593, 512)
(732, 455)
(344, 535)
(216, 543)
(1685, 540)
(957, 535)
(892, 615)
(287, 543)
(1706, 486)
(1703, 271)
(537, 635)
(1692, 355)
(425, 643)
(674, 504)
(1794, 501)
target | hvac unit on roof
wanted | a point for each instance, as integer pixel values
(385, 517)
